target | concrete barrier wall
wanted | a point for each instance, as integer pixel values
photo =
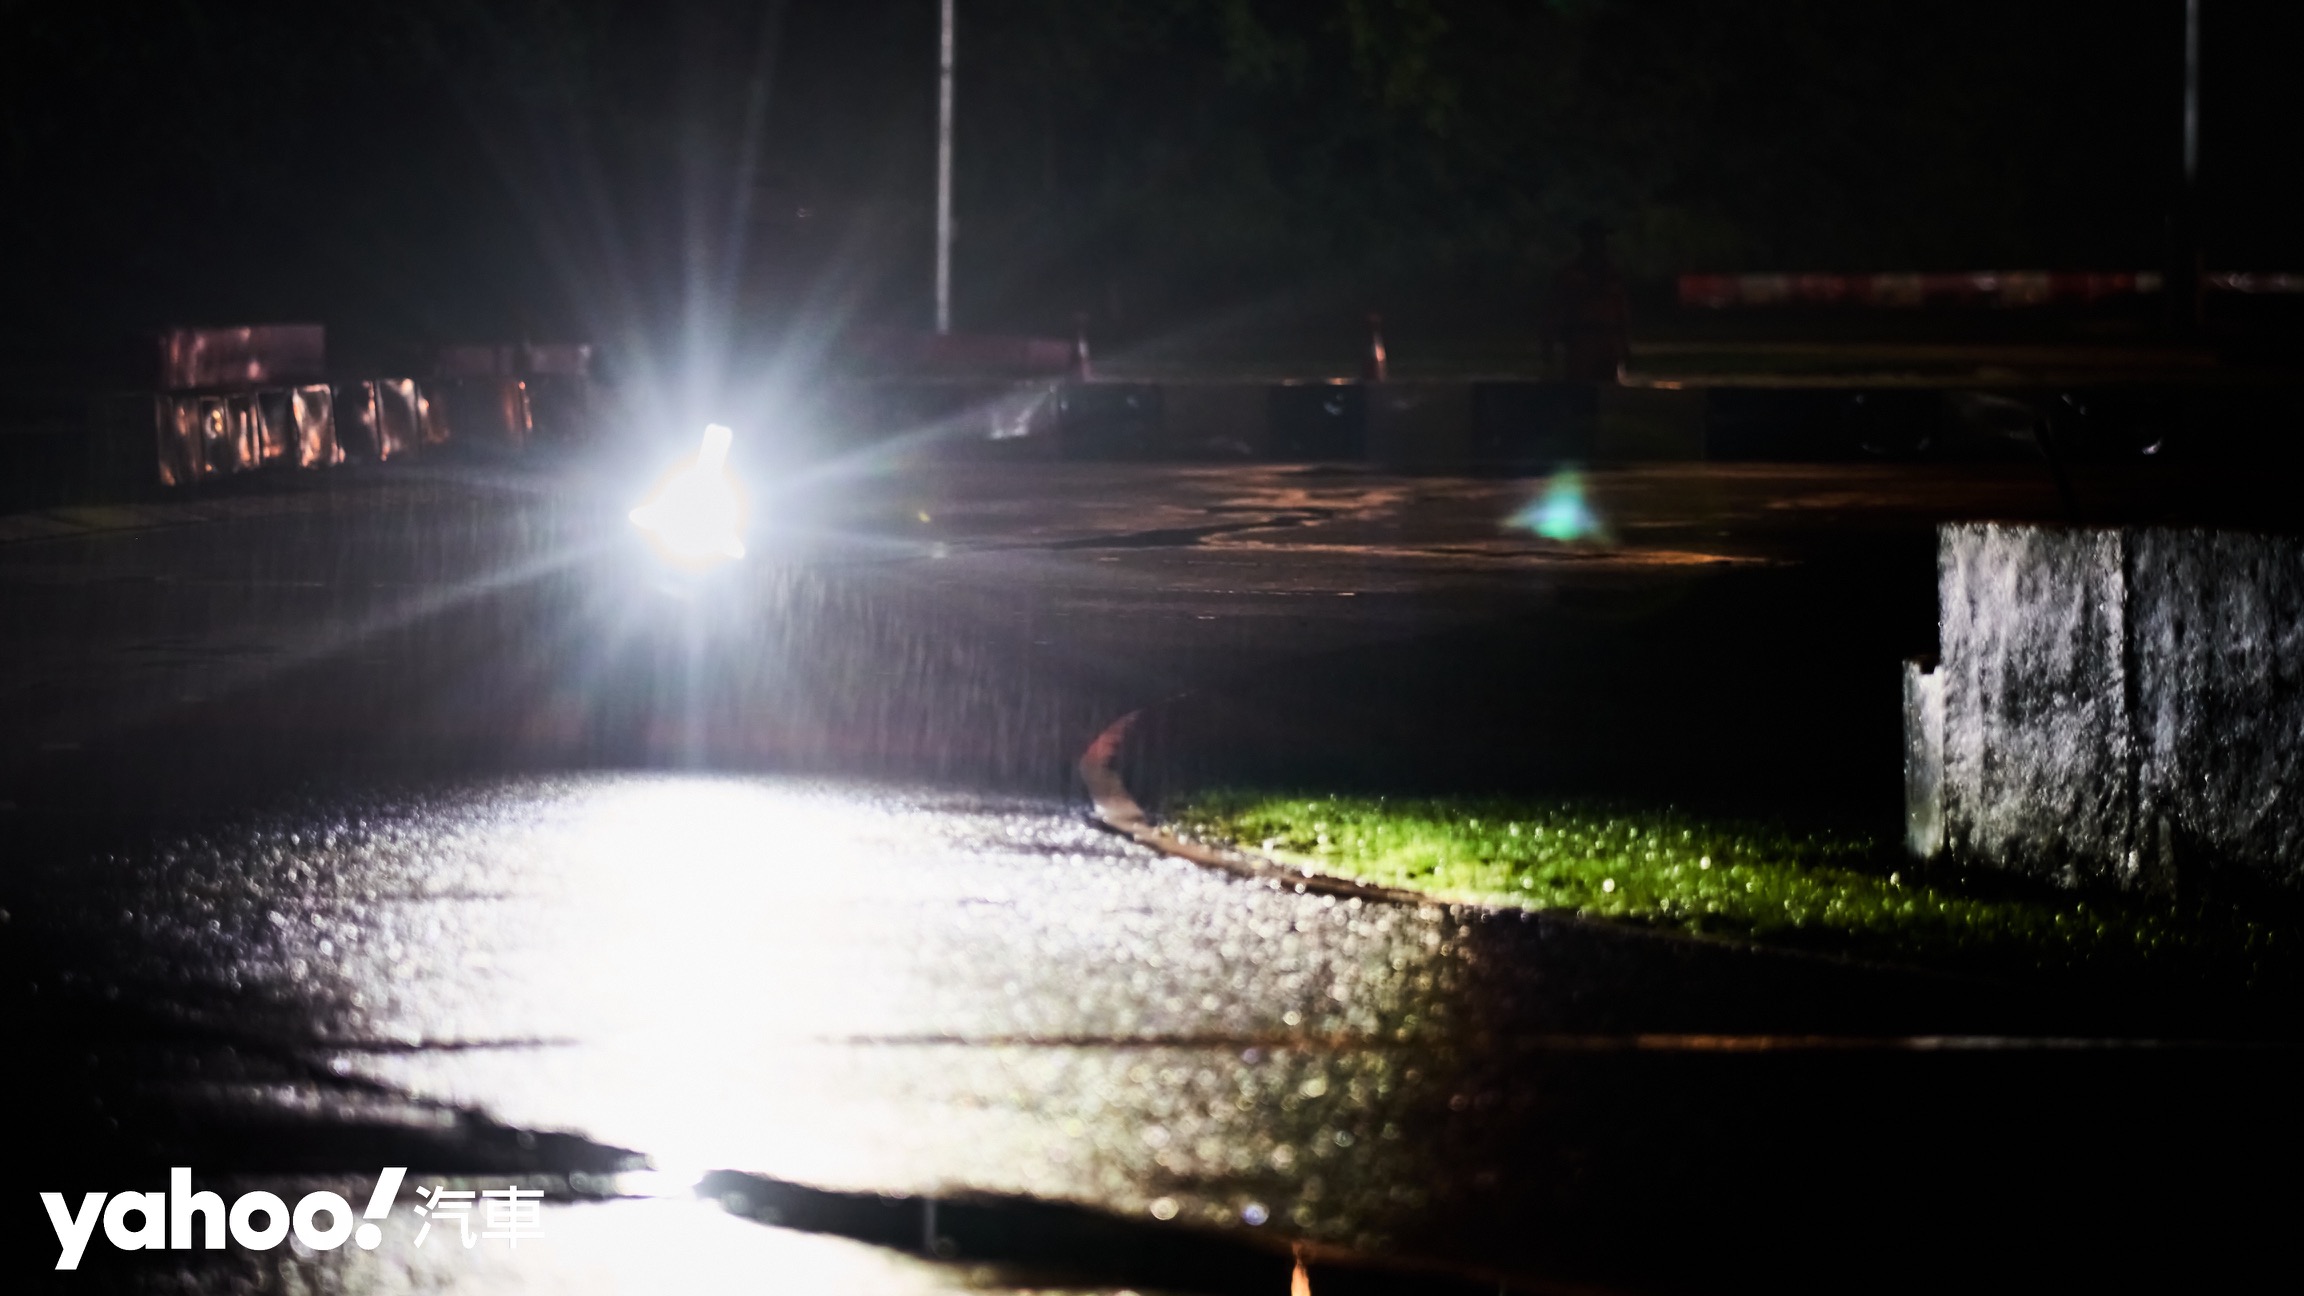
(2121, 707)
(1416, 426)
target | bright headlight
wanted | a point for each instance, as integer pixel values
(695, 516)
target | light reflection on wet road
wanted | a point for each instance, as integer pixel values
(891, 984)
(882, 988)
(787, 978)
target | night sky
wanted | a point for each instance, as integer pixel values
(444, 169)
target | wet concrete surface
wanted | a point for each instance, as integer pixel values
(430, 827)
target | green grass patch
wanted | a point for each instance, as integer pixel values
(1818, 890)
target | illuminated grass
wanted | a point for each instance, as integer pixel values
(1667, 869)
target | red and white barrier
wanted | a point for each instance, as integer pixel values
(1976, 288)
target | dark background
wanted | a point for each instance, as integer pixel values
(435, 170)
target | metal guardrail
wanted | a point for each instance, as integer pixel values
(1434, 425)
(1502, 424)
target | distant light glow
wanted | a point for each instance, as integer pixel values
(696, 514)
(1561, 511)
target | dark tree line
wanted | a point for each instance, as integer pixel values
(437, 168)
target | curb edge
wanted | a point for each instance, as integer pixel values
(1115, 809)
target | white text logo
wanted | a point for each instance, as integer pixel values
(258, 1220)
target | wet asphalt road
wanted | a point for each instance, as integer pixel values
(416, 822)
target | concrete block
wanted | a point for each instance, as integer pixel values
(275, 425)
(313, 410)
(2216, 626)
(2035, 738)
(398, 430)
(1534, 426)
(1022, 419)
(2118, 707)
(219, 435)
(1214, 420)
(1318, 421)
(483, 413)
(1648, 424)
(1099, 420)
(1923, 759)
(183, 456)
(357, 436)
(1765, 424)
(560, 408)
(1419, 425)
(995, 417)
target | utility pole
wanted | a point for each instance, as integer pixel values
(2190, 307)
(944, 175)
(2191, 88)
